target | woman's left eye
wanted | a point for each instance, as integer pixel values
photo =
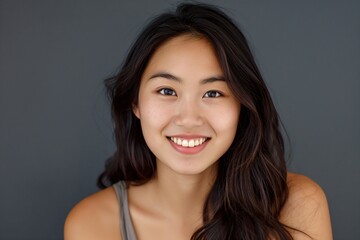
(213, 94)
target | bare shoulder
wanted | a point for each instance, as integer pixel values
(95, 217)
(306, 209)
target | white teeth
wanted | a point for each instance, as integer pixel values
(188, 143)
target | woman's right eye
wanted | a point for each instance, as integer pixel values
(167, 92)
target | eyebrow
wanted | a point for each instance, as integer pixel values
(177, 79)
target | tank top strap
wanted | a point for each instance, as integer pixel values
(127, 229)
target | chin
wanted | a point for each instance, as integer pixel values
(194, 170)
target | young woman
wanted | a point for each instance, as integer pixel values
(199, 150)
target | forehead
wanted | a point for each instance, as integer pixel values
(186, 40)
(183, 54)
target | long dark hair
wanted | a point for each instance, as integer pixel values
(250, 189)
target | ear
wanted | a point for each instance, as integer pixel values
(136, 111)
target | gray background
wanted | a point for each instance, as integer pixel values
(55, 129)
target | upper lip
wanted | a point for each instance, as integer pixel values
(186, 136)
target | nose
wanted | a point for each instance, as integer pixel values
(188, 114)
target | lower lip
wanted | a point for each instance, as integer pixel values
(188, 150)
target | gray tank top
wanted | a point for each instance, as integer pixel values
(127, 229)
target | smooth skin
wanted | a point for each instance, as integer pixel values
(183, 93)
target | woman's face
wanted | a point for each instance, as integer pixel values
(187, 112)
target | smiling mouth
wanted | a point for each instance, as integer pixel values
(188, 142)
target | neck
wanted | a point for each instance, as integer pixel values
(183, 195)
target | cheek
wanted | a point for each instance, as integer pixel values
(153, 114)
(225, 120)
(153, 118)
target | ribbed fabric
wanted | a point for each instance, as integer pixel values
(127, 229)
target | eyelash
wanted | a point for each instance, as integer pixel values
(163, 91)
(217, 93)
